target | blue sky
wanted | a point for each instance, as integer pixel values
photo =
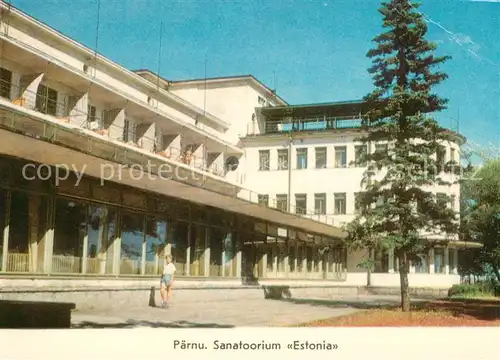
(311, 51)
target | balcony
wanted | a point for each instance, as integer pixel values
(54, 93)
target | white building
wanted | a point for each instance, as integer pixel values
(61, 104)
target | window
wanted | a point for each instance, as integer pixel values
(264, 160)
(5, 83)
(340, 156)
(320, 204)
(440, 155)
(129, 131)
(46, 100)
(381, 149)
(441, 198)
(283, 159)
(320, 157)
(301, 203)
(360, 152)
(302, 158)
(132, 237)
(263, 200)
(452, 155)
(340, 203)
(91, 113)
(282, 202)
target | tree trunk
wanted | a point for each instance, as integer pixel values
(369, 268)
(403, 277)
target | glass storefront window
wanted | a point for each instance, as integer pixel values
(100, 235)
(3, 214)
(69, 233)
(179, 247)
(216, 238)
(156, 240)
(132, 238)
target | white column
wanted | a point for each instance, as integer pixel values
(454, 269)
(5, 230)
(304, 260)
(188, 252)
(391, 261)
(296, 260)
(264, 264)
(286, 261)
(206, 255)
(446, 260)
(431, 261)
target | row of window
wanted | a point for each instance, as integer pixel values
(320, 199)
(321, 158)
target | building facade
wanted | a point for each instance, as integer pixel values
(105, 170)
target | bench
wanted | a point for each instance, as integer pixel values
(16, 314)
(277, 292)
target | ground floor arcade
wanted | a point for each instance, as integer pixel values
(110, 230)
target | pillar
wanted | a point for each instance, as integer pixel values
(78, 111)
(5, 229)
(114, 123)
(391, 261)
(275, 259)
(206, 253)
(29, 85)
(304, 260)
(263, 264)
(454, 269)
(286, 260)
(146, 136)
(446, 260)
(117, 255)
(188, 251)
(431, 260)
(296, 259)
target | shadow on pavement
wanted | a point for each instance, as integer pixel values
(152, 324)
(357, 304)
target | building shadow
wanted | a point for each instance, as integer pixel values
(151, 324)
(488, 310)
(361, 304)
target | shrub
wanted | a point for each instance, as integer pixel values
(476, 290)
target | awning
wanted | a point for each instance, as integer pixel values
(45, 152)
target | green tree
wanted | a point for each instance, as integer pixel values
(394, 204)
(481, 219)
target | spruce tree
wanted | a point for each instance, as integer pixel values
(395, 208)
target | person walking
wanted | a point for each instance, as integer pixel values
(166, 281)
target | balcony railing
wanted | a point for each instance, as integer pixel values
(316, 123)
(71, 117)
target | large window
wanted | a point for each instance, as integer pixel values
(216, 238)
(302, 158)
(3, 213)
(301, 203)
(340, 203)
(101, 233)
(69, 234)
(179, 247)
(320, 204)
(46, 100)
(340, 156)
(156, 241)
(283, 159)
(264, 160)
(321, 159)
(132, 238)
(282, 202)
(197, 245)
(5, 83)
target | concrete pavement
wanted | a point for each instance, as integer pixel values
(229, 313)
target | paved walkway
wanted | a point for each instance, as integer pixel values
(252, 312)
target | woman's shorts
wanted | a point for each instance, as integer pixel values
(165, 279)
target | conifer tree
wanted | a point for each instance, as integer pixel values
(396, 209)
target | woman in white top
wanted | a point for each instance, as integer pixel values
(166, 281)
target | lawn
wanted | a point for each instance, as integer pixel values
(434, 313)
